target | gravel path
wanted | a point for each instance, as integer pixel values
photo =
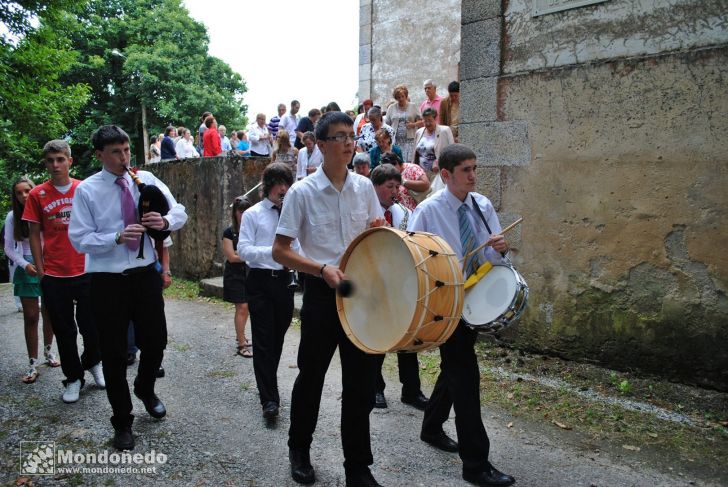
(214, 433)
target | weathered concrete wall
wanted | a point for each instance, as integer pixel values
(604, 127)
(407, 42)
(206, 187)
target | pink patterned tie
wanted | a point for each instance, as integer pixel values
(128, 210)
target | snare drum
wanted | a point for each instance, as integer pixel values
(496, 301)
(409, 291)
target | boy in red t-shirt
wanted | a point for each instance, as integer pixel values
(62, 270)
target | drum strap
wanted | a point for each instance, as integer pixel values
(480, 214)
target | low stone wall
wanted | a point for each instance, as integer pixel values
(206, 187)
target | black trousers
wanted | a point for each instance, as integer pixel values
(271, 309)
(321, 333)
(118, 299)
(59, 295)
(409, 374)
(459, 384)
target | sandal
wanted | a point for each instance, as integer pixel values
(245, 350)
(32, 373)
(50, 358)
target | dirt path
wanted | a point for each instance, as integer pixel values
(214, 433)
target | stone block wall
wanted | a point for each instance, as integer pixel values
(604, 126)
(206, 187)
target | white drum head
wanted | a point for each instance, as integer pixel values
(491, 296)
(383, 304)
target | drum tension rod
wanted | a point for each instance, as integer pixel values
(439, 283)
(434, 253)
(437, 318)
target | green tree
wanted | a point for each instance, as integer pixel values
(148, 66)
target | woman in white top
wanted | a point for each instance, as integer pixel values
(185, 146)
(309, 157)
(26, 284)
(404, 118)
(429, 142)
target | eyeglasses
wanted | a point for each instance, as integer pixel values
(341, 138)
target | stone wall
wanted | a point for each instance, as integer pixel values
(407, 42)
(604, 126)
(206, 187)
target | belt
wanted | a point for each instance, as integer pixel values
(137, 270)
(270, 272)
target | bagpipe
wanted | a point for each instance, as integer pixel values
(151, 199)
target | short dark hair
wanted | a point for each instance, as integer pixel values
(276, 173)
(309, 135)
(333, 107)
(313, 112)
(169, 130)
(331, 118)
(454, 155)
(107, 135)
(383, 173)
(204, 116)
(56, 145)
(453, 87)
(391, 158)
(295, 102)
(429, 112)
(209, 121)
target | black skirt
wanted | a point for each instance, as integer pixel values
(233, 282)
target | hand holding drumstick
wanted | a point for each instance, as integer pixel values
(498, 242)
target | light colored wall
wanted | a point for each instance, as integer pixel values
(407, 42)
(604, 126)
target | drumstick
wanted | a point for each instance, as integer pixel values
(484, 244)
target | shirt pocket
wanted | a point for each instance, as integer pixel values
(323, 228)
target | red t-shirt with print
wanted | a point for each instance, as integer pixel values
(52, 209)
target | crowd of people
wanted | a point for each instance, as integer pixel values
(332, 175)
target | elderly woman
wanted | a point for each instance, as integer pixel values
(413, 179)
(403, 116)
(429, 142)
(384, 145)
(309, 157)
(185, 146)
(368, 131)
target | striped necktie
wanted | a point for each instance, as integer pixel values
(467, 240)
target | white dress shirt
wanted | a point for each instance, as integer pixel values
(96, 218)
(16, 251)
(290, 123)
(257, 145)
(257, 232)
(438, 214)
(185, 148)
(400, 216)
(304, 161)
(324, 220)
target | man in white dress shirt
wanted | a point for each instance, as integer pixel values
(270, 300)
(387, 179)
(290, 120)
(124, 288)
(464, 219)
(325, 212)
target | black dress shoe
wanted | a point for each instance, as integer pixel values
(270, 410)
(362, 479)
(418, 401)
(441, 441)
(491, 476)
(130, 359)
(123, 439)
(159, 373)
(379, 400)
(153, 405)
(301, 469)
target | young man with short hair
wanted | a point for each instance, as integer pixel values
(386, 180)
(290, 120)
(124, 287)
(62, 270)
(325, 212)
(465, 219)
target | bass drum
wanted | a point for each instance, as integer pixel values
(408, 295)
